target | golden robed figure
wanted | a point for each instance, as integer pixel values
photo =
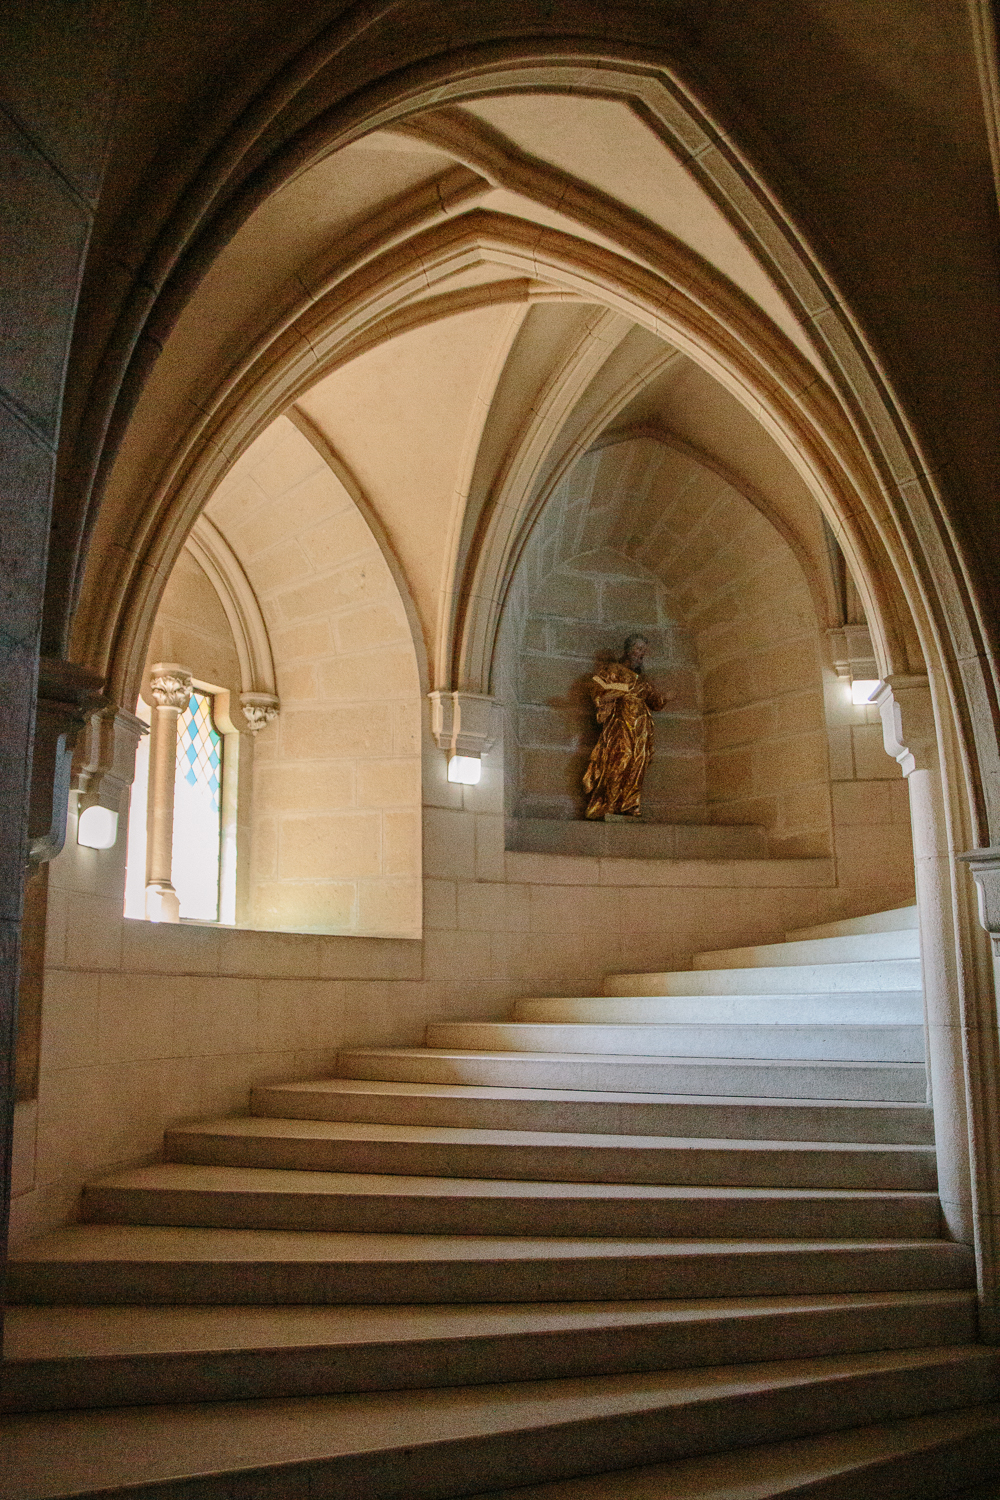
(625, 704)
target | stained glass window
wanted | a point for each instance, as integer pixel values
(198, 810)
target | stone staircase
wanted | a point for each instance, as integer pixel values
(682, 1238)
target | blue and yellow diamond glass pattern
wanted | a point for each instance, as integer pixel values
(198, 810)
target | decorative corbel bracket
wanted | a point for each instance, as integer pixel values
(852, 652)
(104, 763)
(259, 709)
(908, 729)
(463, 723)
(68, 695)
(984, 865)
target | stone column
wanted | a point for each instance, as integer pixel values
(983, 1072)
(910, 737)
(170, 688)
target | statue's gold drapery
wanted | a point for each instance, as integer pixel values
(625, 704)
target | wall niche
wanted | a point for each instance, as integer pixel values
(642, 535)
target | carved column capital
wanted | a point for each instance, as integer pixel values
(984, 865)
(259, 709)
(170, 685)
(908, 729)
(463, 723)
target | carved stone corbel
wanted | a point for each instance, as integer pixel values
(908, 730)
(104, 762)
(984, 866)
(259, 709)
(463, 723)
(852, 652)
(68, 695)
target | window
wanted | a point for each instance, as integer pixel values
(181, 863)
(197, 839)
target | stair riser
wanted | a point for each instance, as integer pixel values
(903, 1217)
(726, 1010)
(880, 1170)
(801, 1122)
(811, 1043)
(775, 979)
(655, 1432)
(729, 1271)
(902, 1083)
(214, 1375)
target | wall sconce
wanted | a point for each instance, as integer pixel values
(463, 725)
(863, 688)
(97, 827)
(466, 769)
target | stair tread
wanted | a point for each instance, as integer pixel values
(335, 1130)
(788, 1468)
(53, 1333)
(568, 1096)
(781, 1041)
(172, 1176)
(181, 1243)
(71, 1453)
(871, 974)
(635, 1059)
(896, 919)
(867, 947)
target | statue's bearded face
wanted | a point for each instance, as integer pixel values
(635, 655)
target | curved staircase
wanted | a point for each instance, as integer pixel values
(678, 1241)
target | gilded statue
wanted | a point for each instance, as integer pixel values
(625, 703)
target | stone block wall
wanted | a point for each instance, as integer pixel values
(146, 1025)
(335, 801)
(578, 618)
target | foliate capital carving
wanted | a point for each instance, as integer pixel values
(259, 709)
(463, 722)
(170, 686)
(908, 729)
(984, 865)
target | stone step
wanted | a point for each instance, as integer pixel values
(894, 974)
(112, 1265)
(918, 1458)
(443, 1151)
(897, 920)
(67, 1357)
(846, 948)
(426, 1444)
(764, 1079)
(464, 1106)
(652, 1039)
(260, 1198)
(877, 1007)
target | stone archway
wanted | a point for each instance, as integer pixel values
(864, 458)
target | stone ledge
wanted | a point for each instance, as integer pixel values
(600, 840)
(561, 869)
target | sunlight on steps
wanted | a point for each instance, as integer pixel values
(680, 1240)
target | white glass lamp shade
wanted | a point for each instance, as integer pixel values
(97, 828)
(466, 769)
